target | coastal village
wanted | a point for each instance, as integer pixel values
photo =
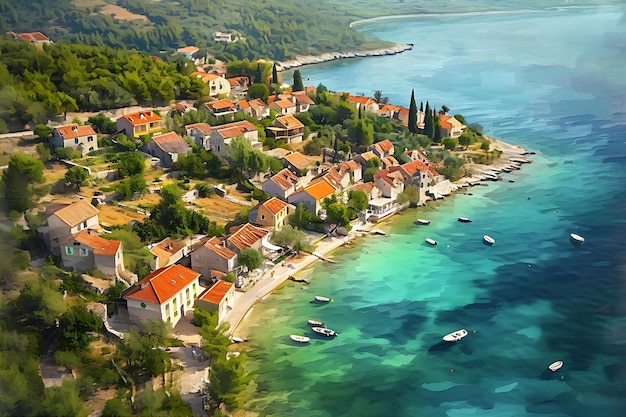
(206, 272)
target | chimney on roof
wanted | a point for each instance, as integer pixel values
(75, 128)
(143, 285)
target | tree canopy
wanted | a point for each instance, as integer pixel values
(17, 181)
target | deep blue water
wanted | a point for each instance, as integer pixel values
(555, 83)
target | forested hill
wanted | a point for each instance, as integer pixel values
(267, 29)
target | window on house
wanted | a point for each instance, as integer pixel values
(84, 224)
(76, 140)
(262, 216)
(69, 250)
(187, 296)
(89, 138)
(83, 252)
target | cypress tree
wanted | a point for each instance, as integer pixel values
(429, 122)
(437, 129)
(413, 114)
(422, 106)
(297, 81)
(274, 75)
(259, 74)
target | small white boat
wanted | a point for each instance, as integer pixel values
(237, 339)
(555, 366)
(325, 332)
(488, 240)
(431, 241)
(576, 239)
(315, 323)
(300, 339)
(464, 220)
(422, 222)
(378, 232)
(322, 299)
(455, 336)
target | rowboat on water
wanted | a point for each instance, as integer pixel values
(555, 366)
(300, 339)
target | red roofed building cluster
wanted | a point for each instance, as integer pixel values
(75, 136)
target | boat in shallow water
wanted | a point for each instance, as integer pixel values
(464, 220)
(300, 339)
(488, 240)
(431, 241)
(455, 336)
(555, 366)
(577, 240)
(322, 299)
(315, 323)
(325, 332)
(422, 222)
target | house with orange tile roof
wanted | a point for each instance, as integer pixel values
(140, 123)
(258, 108)
(363, 103)
(382, 149)
(168, 147)
(296, 163)
(353, 169)
(167, 252)
(222, 135)
(450, 127)
(68, 220)
(32, 37)
(270, 213)
(312, 195)
(282, 184)
(166, 294)
(222, 107)
(247, 236)
(389, 161)
(339, 180)
(199, 133)
(302, 100)
(218, 85)
(369, 189)
(188, 51)
(287, 128)
(390, 183)
(402, 116)
(420, 175)
(213, 255)
(75, 136)
(86, 250)
(283, 107)
(239, 84)
(219, 297)
(387, 110)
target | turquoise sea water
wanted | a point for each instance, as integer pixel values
(555, 83)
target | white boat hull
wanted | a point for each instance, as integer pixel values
(325, 332)
(464, 220)
(488, 240)
(300, 339)
(315, 323)
(423, 222)
(322, 299)
(455, 336)
(431, 241)
(576, 239)
(555, 366)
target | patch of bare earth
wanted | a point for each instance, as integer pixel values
(118, 216)
(121, 13)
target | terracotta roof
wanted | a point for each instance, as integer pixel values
(320, 190)
(274, 205)
(411, 168)
(367, 187)
(332, 176)
(368, 155)
(33, 36)
(220, 104)
(91, 239)
(206, 77)
(350, 165)
(171, 142)
(287, 122)
(360, 99)
(166, 248)
(162, 284)
(384, 145)
(142, 117)
(391, 177)
(257, 103)
(284, 104)
(217, 274)
(74, 131)
(238, 81)
(203, 128)
(188, 49)
(285, 179)
(216, 293)
(217, 246)
(232, 130)
(76, 212)
(247, 235)
(243, 104)
(302, 98)
(298, 160)
(390, 161)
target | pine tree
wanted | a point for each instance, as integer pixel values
(437, 129)
(274, 75)
(297, 81)
(413, 114)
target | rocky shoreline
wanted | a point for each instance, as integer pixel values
(333, 56)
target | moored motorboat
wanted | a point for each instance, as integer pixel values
(555, 366)
(325, 331)
(464, 220)
(431, 241)
(322, 299)
(576, 239)
(422, 222)
(455, 336)
(235, 339)
(300, 339)
(488, 240)
(315, 323)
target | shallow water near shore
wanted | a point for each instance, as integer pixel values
(553, 83)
